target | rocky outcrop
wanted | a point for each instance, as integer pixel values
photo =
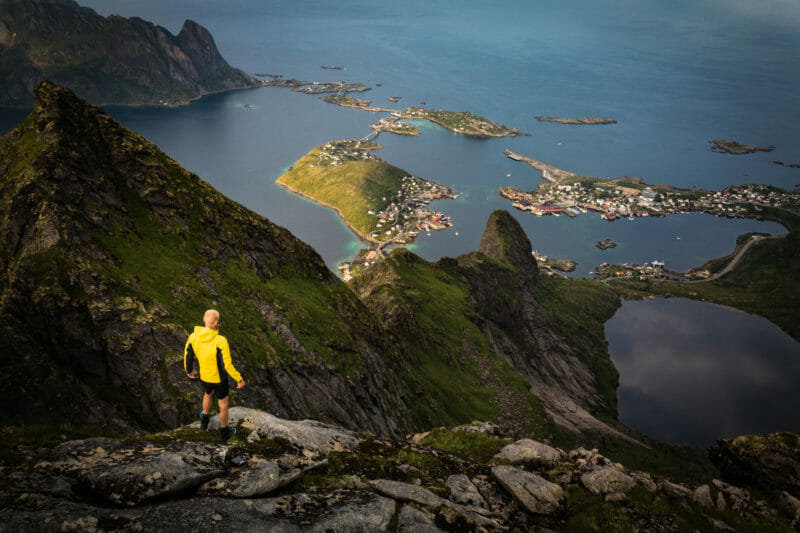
(110, 60)
(179, 481)
(770, 462)
(505, 240)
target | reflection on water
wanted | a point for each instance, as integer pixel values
(692, 372)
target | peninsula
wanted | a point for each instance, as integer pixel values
(726, 146)
(380, 202)
(583, 121)
(628, 197)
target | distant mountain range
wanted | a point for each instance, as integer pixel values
(106, 60)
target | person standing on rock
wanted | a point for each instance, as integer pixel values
(210, 351)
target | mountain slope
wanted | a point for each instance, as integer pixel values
(481, 314)
(110, 252)
(106, 60)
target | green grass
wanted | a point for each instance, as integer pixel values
(471, 445)
(352, 188)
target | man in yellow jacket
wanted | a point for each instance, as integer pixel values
(210, 351)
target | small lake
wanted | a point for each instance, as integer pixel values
(692, 372)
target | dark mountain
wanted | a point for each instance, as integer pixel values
(106, 60)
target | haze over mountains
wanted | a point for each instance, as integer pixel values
(106, 59)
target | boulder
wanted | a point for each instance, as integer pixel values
(530, 451)
(461, 490)
(644, 479)
(309, 435)
(406, 492)
(412, 520)
(607, 480)
(702, 496)
(532, 491)
(790, 504)
(374, 514)
(737, 497)
(676, 491)
(255, 478)
(129, 473)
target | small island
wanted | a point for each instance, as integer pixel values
(725, 146)
(583, 121)
(463, 123)
(380, 202)
(393, 125)
(548, 265)
(345, 100)
(393, 98)
(605, 244)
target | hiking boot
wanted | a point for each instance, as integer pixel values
(204, 418)
(226, 433)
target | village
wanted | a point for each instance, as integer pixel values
(406, 215)
(630, 198)
(642, 272)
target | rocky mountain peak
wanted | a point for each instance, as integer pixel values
(505, 240)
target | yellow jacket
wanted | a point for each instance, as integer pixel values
(210, 350)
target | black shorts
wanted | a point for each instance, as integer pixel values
(220, 390)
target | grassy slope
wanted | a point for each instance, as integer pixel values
(352, 188)
(445, 348)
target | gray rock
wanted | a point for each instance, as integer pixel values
(607, 480)
(372, 515)
(130, 473)
(256, 479)
(675, 491)
(310, 435)
(412, 520)
(615, 497)
(533, 492)
(721, 503)
(406, 492)
(644, 479)
(530, 451)
(408, 470)
(790, 504)
(461, 490)
(702, 496)
(737, 497)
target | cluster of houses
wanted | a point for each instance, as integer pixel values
(406, 213)
(644, 271)
(614, 201)
(336, 153)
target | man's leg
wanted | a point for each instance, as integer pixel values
(204, 416)
(223, 411)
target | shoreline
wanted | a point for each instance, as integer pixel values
(338, 213)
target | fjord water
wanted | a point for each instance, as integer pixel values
(674, 74)
(698, 371)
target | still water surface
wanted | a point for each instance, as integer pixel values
(692, 372)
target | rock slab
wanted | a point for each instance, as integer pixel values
(532, 491)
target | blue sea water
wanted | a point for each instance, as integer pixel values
(674, 74)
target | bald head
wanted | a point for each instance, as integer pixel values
(211, 318)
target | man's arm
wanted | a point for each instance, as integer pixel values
(228, 362)
(189, 359)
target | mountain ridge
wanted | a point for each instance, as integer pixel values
(107, 60)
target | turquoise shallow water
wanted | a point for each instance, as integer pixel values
(674, 74)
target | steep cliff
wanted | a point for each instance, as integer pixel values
(106, 60)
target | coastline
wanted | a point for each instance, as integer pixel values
(338, 212)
